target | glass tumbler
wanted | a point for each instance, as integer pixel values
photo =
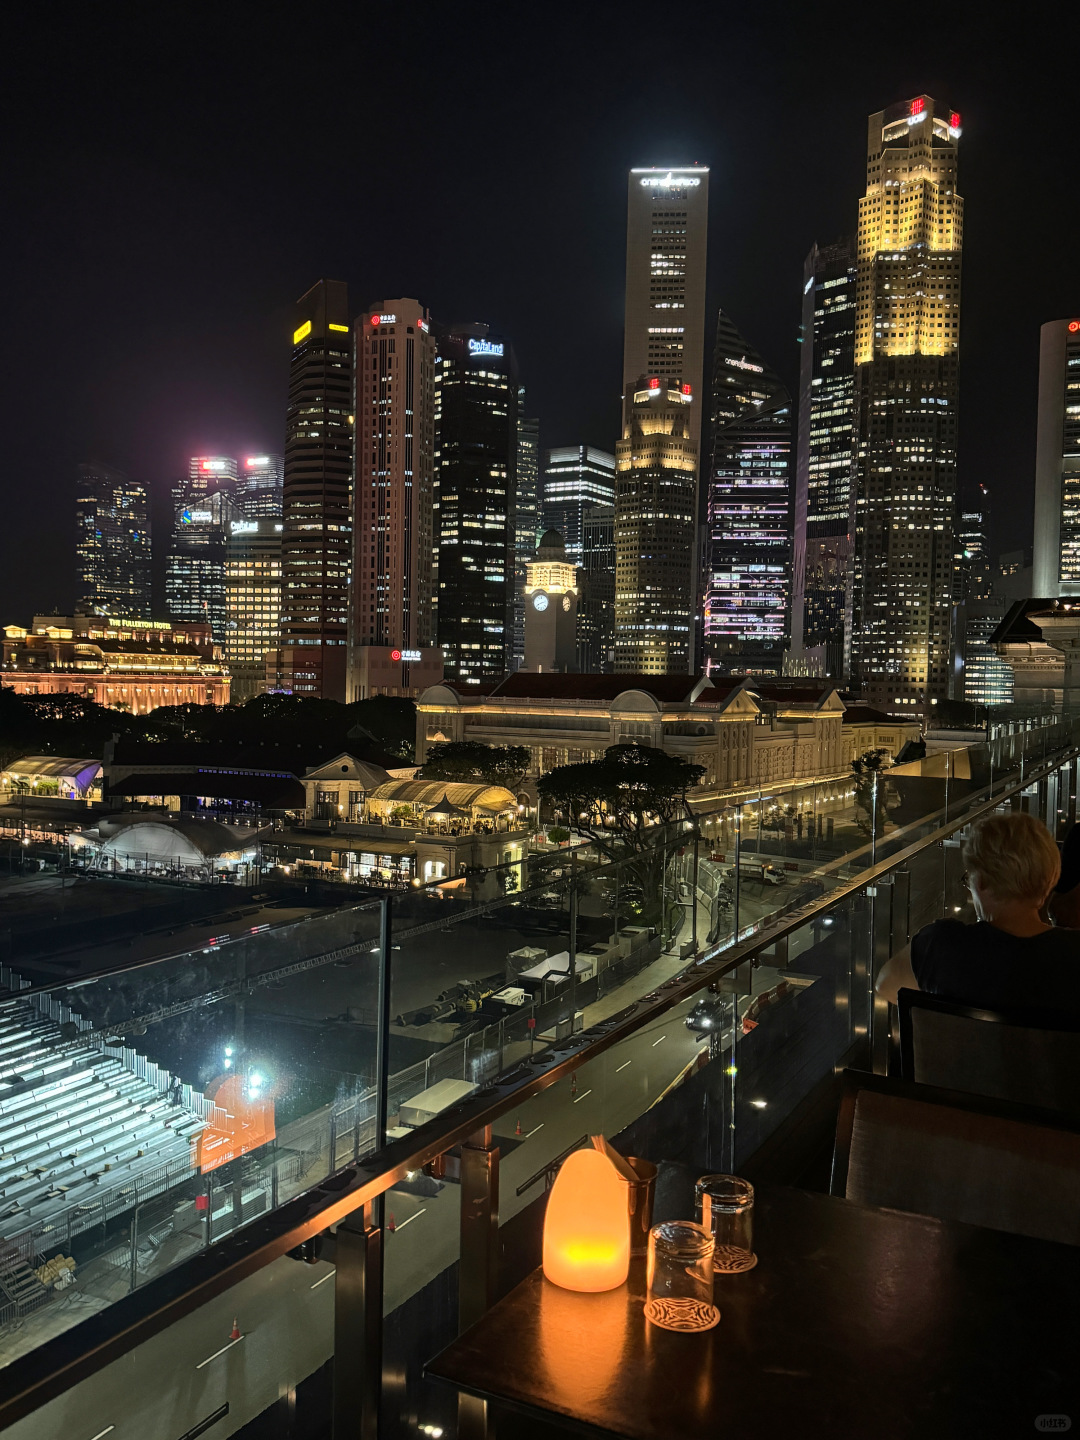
(725, 1209)
(680, 1277)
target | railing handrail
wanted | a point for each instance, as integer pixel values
(71, 1356)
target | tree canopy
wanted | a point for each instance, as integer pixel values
(617, 801)
(469, 761)
(73, 725)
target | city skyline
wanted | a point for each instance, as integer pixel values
(194, 369)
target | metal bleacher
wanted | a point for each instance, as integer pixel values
(83, 1134)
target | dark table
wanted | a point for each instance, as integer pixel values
(857, 1322)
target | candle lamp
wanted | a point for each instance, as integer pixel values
(586, 1227)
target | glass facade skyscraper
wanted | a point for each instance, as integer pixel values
(317, 496)
(252, 601)
(575, 477)
(907, 335)
(526, 518)
(476, 454)
(825, 462)
(748, 547)
(204, 506)
(1057, 462)
(112, 545)
(260, 483)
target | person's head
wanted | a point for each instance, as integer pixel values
(1010, 860)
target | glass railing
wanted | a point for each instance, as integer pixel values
(688, 997)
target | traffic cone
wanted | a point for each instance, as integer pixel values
(391, 1224)
(234, 1333)
(517, 1127)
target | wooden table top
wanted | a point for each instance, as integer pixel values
(857, 1322)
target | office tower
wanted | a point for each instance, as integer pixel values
(260, 485)
(204, 505)
(252, 602)
(575, 477)
(1057, 462)
(392, 610)
(596, 591)
(825, 462)
(526, 518)
(551, 599)
(972, 577)
(112, 545)
(476, 449)
(906, 378)
(655, 527)
(663, 353)
(666, 236)
(748, 547)
(316, 549)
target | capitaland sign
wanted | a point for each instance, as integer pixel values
(670, 181)
(243, 527)
(484, 347)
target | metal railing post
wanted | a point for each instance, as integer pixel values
(358, 1321)
(478, 1269)
(738, 869)
(382, 1027)
(572, 986)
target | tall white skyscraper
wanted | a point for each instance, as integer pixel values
(1057, 462)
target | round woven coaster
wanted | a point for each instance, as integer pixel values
(731, 1260)
(681, 1314)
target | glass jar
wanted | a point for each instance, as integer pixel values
(680, 1277)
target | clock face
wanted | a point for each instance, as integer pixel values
(566, 602)
(540, 601)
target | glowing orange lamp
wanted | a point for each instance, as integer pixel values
(587, 1228)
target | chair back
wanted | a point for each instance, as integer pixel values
(1030, 1057)
(957, 1157)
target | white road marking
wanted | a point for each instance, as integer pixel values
(657, 1042)
(219, 1352)
(582, 1097)
(107, 1431)
(323, 1280)
(533, 1132)
(624, 1065)
(416, 1216)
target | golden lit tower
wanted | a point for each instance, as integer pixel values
(655, 527)
(906, 374)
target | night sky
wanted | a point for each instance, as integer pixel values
(176, 176)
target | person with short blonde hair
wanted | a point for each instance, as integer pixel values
(1011, 957)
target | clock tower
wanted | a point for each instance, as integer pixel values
(551, 601)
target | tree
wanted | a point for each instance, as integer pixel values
(620, 803)
(871, 764)
(470, 762)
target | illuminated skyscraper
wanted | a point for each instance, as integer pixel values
(317, 497)
(825, 462)
(252, 601)
(655, 529)
(596, 591)
(1057, 462)
(259, 486)
(476, 439)
(667, 226)
(907, 379)
(575, 478)
(204, 505)
(112, 546)
(526, 518)
(748, 567)
(656, 501)
(393, 580)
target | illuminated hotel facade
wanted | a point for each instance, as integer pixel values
(656, 502)
(748, 566)
(1057, 462)
(476, 454)
(655, 530)
(317, 497)
(393, 575)
(907, 380)
(824, 530)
